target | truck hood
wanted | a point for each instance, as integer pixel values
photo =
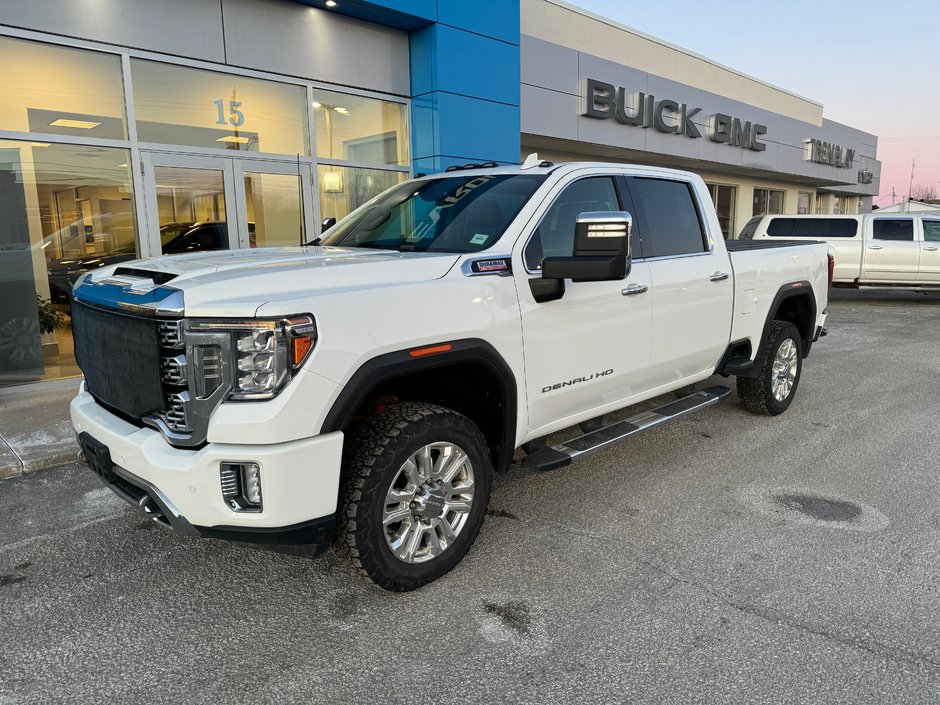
(239, 282)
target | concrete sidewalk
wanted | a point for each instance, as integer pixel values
(35, 432)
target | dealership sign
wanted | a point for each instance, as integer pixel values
(605, 101)
(831, 154)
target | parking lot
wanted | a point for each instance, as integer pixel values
(725, 558)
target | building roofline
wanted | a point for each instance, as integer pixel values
(674, 47)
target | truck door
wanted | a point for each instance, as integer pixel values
(929, 270)
(891, 251)
(590, 348)
(692, 286)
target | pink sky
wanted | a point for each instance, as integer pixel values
(871, 69)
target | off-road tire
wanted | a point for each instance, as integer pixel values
(373, 455)
(756, 392)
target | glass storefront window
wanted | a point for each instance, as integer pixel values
(803, 201)
(767, 201)
(357, 129)
(723, 197)
(275, 210)
(64, 210)
(187, 106)
(343, 189)
(60, 91)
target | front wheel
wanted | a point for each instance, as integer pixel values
(779, 364)
(416, 483)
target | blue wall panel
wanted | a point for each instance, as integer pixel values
(498, 19)
(470, 64)
(478, 130)
(465, 85)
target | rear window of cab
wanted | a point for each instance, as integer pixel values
(813, 227)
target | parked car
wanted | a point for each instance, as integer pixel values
(363, 391)
(889, 249)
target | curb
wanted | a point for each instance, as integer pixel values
(18, 469)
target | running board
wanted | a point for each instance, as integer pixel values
(553, 457)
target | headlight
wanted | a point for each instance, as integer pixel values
(265, 353)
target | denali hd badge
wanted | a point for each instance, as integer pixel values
(576, 380)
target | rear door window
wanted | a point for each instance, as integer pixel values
(670, 223)
(932, 230)
(900, 230)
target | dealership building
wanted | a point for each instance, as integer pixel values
(136, 127)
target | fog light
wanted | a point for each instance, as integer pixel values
(241, 486)
(251, 475)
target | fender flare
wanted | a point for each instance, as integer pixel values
(400, 363)
(802, 288)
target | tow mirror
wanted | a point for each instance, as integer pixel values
(602, 252)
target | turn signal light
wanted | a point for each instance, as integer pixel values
(300, 348)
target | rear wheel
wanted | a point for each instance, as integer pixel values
(779, 364)
(416, 482)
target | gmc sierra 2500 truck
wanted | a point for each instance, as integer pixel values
(361, 391)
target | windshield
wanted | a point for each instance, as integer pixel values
(448, 214)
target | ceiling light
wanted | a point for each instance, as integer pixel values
(81, 124)
(122, 166)
(233, 139)
(39, 144)
(317, 105)
(341, 111)
(331, 3)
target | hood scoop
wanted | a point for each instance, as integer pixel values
(158, 278)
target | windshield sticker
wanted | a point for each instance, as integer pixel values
(479, 239)
(463, 191)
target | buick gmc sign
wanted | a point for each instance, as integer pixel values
(604, 101)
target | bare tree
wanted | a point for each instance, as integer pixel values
(924, 192)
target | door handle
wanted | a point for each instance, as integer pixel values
(875, 247)
(718, 276)
(930, 248)
(634, 289)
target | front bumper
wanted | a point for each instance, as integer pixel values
(300, 480)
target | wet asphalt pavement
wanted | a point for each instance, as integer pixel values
(723, 558)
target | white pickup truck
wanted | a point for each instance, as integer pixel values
(876, 249)
(360, 391)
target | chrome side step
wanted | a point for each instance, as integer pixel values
(553, 457)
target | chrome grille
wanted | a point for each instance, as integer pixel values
(171, 334)
(175, 415)
(174, 370)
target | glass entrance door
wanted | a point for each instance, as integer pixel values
(208, 203)
(189, 202)
(275, 203)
